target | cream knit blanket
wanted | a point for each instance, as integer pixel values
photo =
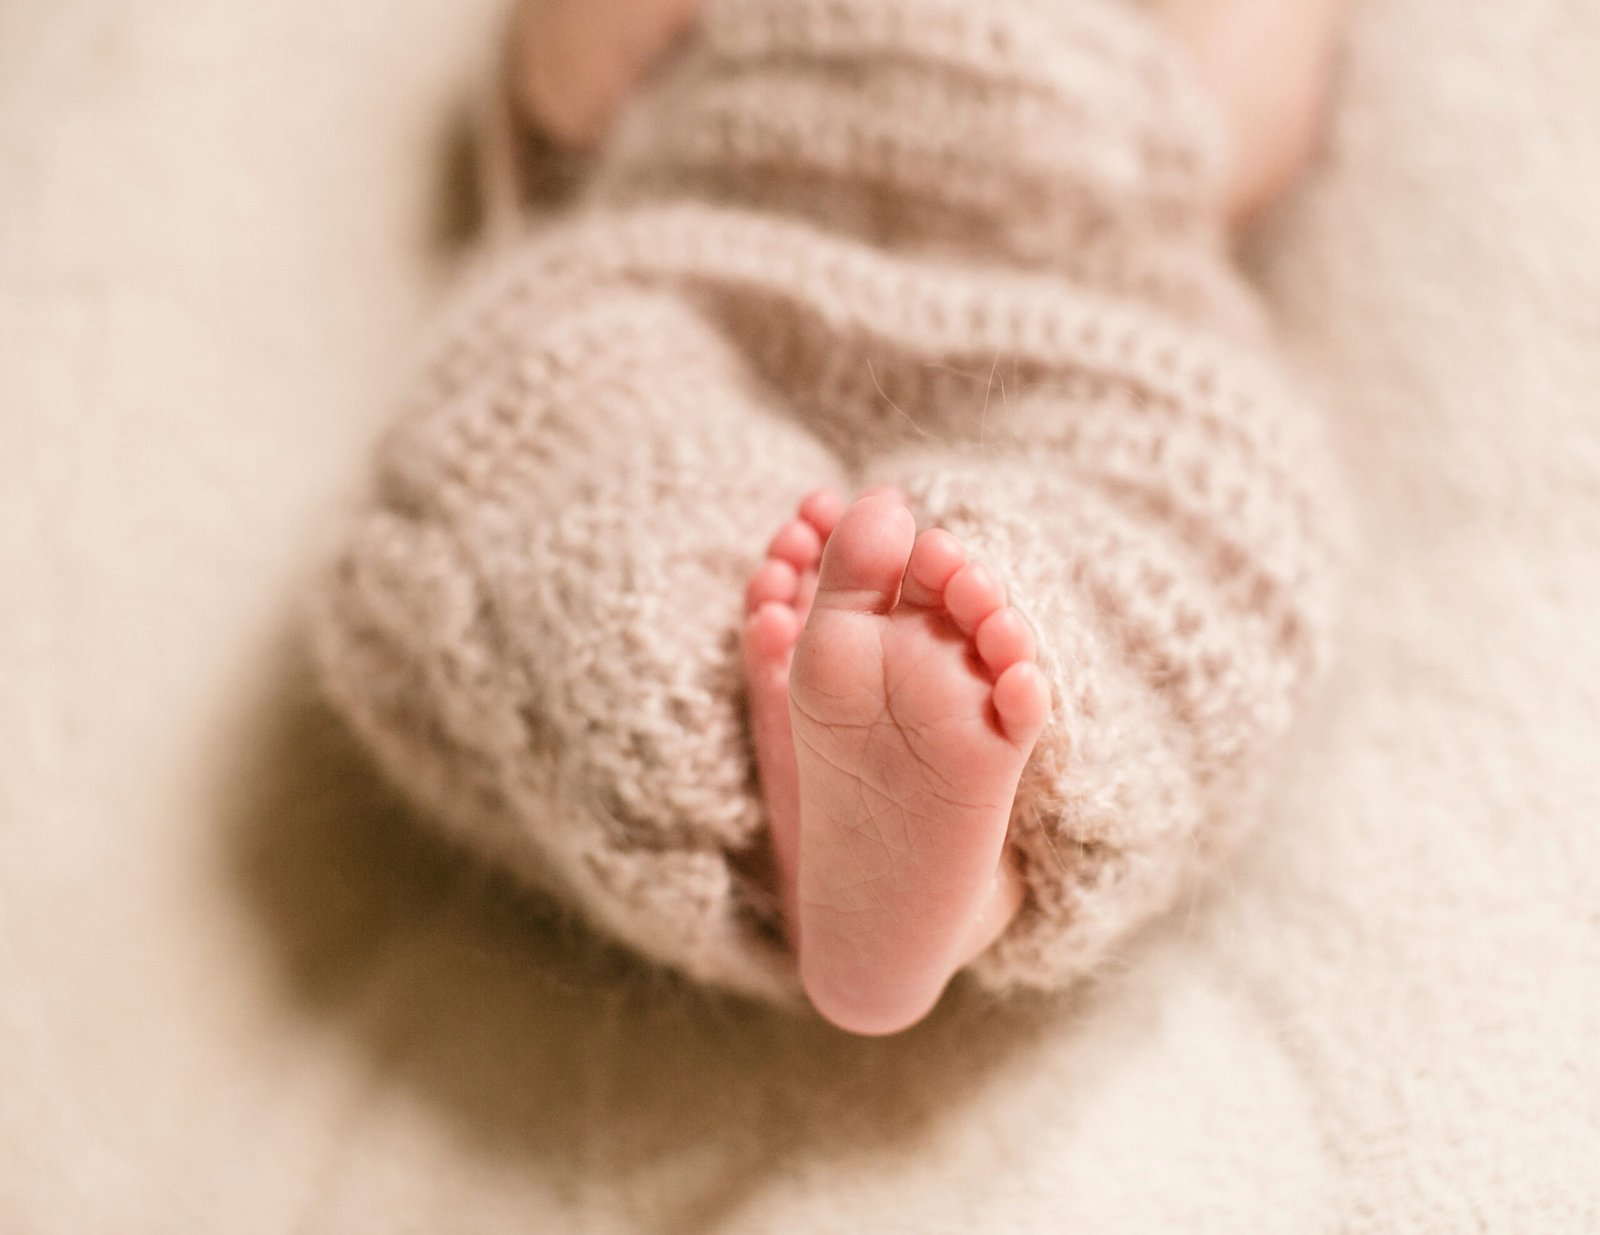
(236, 995)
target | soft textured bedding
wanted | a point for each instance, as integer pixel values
(239, 992)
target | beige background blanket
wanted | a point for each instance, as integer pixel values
(239, 992)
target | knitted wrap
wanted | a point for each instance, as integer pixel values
(967, 248)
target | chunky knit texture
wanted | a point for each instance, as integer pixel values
(970, 249)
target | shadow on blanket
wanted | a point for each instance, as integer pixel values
(534, 1040)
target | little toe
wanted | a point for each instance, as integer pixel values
(972, 594)
(935, 558)
(797, 543)
(821, 509)
(1002, 639)
(1022, 702)
(774, 580)
(866, 556)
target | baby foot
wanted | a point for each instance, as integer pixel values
(915, 702)
(777, 601)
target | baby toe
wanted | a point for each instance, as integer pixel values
(935, 559)
(797, 543)
(822, 510)
(1022, 702)
(774, 581)
(866, 556)
(972, 594)
(770, 635)
(1002, 639)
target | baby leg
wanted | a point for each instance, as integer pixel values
(1267, 64)
(574, 61)
(896, 885)
(536, 624)
(1177, 613)
(1175, 565)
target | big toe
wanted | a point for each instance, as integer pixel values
(865, 559)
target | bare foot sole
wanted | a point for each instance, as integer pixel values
(914, 702)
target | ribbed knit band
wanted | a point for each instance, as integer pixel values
(969, 248)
